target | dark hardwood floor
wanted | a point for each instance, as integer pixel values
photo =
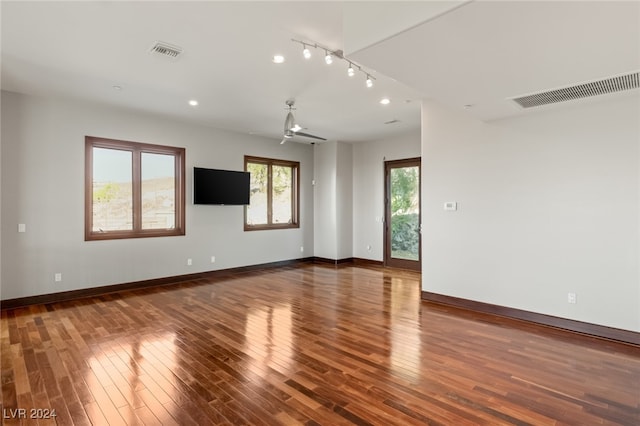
(311, 344)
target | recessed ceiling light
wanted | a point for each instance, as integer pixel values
(385, 101)
(278, 59)
(193, 102)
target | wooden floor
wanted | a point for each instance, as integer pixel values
(314, 345)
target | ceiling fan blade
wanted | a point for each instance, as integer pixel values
(307, 135)
(283, 141)
(289, 122)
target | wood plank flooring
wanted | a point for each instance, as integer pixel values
(309, 345)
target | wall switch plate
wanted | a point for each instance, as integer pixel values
(301, 249)
(57, 277)
(451, 206)
(572, 298)
(189, 262)
(213, 259)
(22, 227)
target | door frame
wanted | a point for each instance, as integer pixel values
(388, 260)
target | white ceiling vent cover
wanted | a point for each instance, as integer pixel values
(165, 49)
(579, 91)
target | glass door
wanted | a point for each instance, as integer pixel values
(402, 214)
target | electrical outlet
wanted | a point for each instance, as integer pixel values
(213, 259)
(57, 277)
(22, 227)
(572, 298)
(368, 248)
(301, 249)
(189, 262)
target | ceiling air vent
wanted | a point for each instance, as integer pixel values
(579, 91)
(165, 49)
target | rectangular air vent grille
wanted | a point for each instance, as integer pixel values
(579, 91)
(166, 49)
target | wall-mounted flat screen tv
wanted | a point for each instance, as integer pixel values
(213, 186)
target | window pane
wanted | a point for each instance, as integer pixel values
(282, 194)
(405, 213)
(112, 190)
(257, 208)
(158, 186)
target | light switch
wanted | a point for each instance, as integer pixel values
(451, 206)
(22, 227)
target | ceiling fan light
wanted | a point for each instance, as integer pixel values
(296, 128)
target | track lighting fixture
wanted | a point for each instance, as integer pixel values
(329, 57)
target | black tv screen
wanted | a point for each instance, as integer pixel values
(212, 186)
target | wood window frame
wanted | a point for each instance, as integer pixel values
(295, 193)
(136, 148)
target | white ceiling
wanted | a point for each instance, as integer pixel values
(477, 53)
(486, 53)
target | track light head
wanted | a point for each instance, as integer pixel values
(328, 59)
(350, 71)
(369, 81)
(306, 52)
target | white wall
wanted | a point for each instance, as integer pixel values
(344, 198)
(368, 189)
(43, 187)
(333, 191)
(324, 193)
(548, 204)
(1, 127)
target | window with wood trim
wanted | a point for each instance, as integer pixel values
(133, 190)
(275, 194)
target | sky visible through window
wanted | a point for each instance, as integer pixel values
(114, 165)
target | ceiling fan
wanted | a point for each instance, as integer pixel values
(292, 129)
